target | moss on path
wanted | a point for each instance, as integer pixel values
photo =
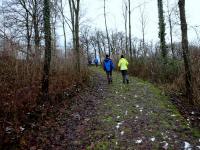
(139, 116)
(112, 117)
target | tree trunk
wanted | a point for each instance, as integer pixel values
(87, 49)
(130, 43)
(47, 58)
(162, 29)
(53, 26)
(171, 30)
(171, 38)
(72, 13)
(64, 32)
(99, 46)
(186, 55)
(143, 25)
(36, 30)
(104, 46)
(28, 36)
(125, 24)
(4, 28)
(109, 47)
(77, 34)
(65, 39)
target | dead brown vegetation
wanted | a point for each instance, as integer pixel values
(20, 84)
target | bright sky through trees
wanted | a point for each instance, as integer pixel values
(92, 12)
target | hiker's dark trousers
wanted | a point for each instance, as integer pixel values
(109, 76)
(124, 75)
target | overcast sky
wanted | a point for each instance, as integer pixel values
(93, 13)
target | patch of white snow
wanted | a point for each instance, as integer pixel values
(165, 146)
(21, 128)
(153, 139)
(187, 146)
(138, 141)
(118, 125)
(126, 113)
(122, 133)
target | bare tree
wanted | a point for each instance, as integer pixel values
(162, 29)
(12, 19)
(143, 21)
(34, 9)
(47, 58)
(72, 14)
(85, 41)
(129, 16)
(74, 6)
(186, 54)
(125, 15)
(99, 45)
(36, 18)
(63, 27)
(109, 46)
(102, 40)
(28, 34)
(170, 12)
(94, 44)
(54, 18)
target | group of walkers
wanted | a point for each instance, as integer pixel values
(108, 67)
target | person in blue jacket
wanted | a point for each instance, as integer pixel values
(108, 67)
(96, 62)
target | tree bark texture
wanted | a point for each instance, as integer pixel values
(109, 46)
(76, 8)
(36, 30)
(162, 29)
(47, 57)
(130, 42)
(186, 55)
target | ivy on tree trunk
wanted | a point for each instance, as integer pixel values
(162, 29)
(47, 55)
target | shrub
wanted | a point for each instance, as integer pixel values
(20, 83)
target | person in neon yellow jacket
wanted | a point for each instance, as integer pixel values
(123, 65)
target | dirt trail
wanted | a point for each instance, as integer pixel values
(116, 116)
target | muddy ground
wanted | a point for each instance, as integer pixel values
(112, 116)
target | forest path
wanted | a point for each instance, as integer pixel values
(116, 116)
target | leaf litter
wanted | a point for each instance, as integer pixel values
(81, 126)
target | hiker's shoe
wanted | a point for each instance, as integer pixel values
(127, 81)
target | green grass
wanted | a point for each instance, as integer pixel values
(158, 114)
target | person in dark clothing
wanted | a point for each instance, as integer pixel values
(108, 67)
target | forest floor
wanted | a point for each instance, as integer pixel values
(113, 116)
